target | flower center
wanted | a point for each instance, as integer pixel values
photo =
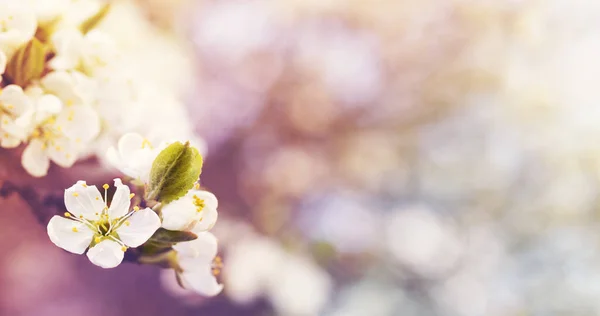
(199, 203)
(104, 227)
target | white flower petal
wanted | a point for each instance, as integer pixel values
(60, 83)
(129, 144)
(201, 281)
(35, 160)
(180, 214)
(119, 206)
(14, 100)
(80, 123)
(49, 103)
(142, 225)
(99, 50)
(209, 214)
(69, 235)
(183, 214)
(10, 126)
(201, 250)
(18, 25)
(3, 60)
(207, 221)
(133, 156)
(106, 254)
(84, 200)
(8, 141)
(63, 152)
(67, 43)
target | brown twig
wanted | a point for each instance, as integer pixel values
(42, 205)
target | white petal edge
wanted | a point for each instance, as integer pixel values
(69, 235)
(84, 200)
(34, 159)
(119, 206)
(180, 214)
(200, 250)
(142, 225)
(106, 254)
(201, 281)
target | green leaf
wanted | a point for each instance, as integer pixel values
(172, 236)
(27, 63)
(162, 241)
(174, 172)
(46, 29)
(93, 21)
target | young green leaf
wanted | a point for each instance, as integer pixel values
(162, 241)
(174, 172)
(93, 21)
(27, 63)
(172, 236)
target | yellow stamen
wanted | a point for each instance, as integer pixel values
(146, 143)
(124, 248)
(97, 239)
(131, 195)
(67, 214)
(74, 229)
(75, 194)
(105, 186)
(136, 208)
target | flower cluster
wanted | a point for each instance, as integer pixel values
(72, 83)
(162, 213)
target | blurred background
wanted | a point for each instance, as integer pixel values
(380, 158)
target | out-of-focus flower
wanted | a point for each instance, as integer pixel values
(133, 156)
(91, 51)
(14, 116)
(197, 211)
(17, 25)
(421, 241)
(289, 284)
(70, 50)
(106, 230)
(283, 277)
(59, 139)
(199, 264)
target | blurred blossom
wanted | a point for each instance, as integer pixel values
(358, 232)
(256, 266)
(347, 62)
(419, 239)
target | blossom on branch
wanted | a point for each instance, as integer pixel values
(107, 230)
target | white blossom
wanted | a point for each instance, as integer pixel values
(71, 87)
(89, 52)
(107, 230)
(59, 138)
(99, 86)
(15, 109)
(133, 156)
(199, 264)
(196, 211)
(17, 25)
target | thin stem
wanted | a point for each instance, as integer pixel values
(43, 206)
